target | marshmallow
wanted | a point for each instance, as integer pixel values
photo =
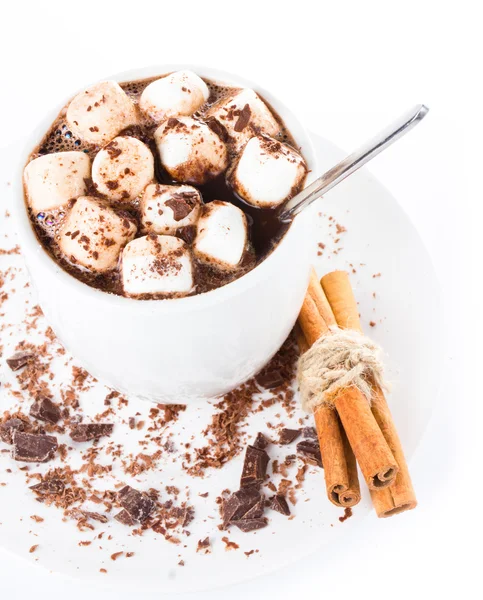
(180, 93)
(222, 235)
(243, 115)
(101, 112)
(167, 208)
(267, 172)
(123, 168)
(156, 264)
(54, 179)
(190, 151)
(93, 235)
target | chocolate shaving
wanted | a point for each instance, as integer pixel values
(254, 467)
(287, 436)
(49, 487)
(45, 410)
(31, 447)
(84, 432)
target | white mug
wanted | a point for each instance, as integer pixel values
(186, 349)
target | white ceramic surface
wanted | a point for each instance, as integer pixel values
(185, 349)
(407, 313)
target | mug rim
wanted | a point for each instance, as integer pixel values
(30, 243)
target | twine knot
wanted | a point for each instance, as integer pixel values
(338, 360)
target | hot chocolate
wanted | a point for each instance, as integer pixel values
(163, 187)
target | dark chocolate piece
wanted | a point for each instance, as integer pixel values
(247, 525)
(31, 447)
(279, 504)
(182, 204)
(243, 119)
(204, 545)
(8, 427)
(269, 380)
(46, 488)
(256, 511)
(187, 233)
(19, 360)
(85, 432)
(260, 442)
(309, 432)
(254, 467)
(310, 451)
(239, 503)
(137, 504)
(217, 128)
(287, 436)
(125, 518)
(45, 410)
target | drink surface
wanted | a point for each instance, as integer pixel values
(264, 228)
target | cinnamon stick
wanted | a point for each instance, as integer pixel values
(370, 447)
(340, 468)
(400, 496)
(339, 462)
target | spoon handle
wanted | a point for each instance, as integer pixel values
(354, 161)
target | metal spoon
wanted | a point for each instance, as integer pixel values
(353, 162)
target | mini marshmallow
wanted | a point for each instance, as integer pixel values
(101, 112)
(54, 179)
(167, 208)
(190, 151)
(178, 94)
(93, 235)
(123, 168)
(222, 235)
(156, 264)
(243, 115)
(267, 172)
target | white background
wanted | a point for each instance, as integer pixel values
(347, 68)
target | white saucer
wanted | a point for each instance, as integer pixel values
(406, 313)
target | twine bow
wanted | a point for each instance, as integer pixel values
(338, 360)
